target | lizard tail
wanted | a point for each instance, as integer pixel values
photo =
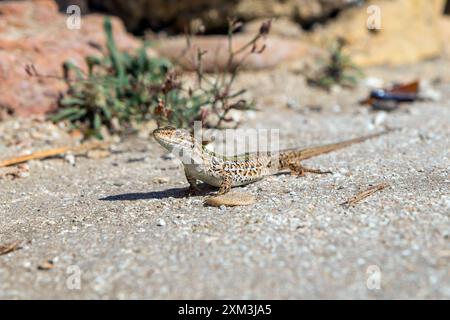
(314, 151)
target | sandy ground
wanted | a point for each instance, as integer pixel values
(121, 227)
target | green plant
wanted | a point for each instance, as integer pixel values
(116, 91)
(120, 89)
(338, 69)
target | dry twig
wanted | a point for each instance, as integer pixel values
(53, 152)
(364, 194)
(10, 247)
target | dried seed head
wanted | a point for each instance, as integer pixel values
(159, 110)
(170, 83)
(234, 25)
(264, 29)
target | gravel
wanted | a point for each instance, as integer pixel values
(123, 227)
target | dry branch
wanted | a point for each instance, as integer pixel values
(10, 247)
(364, 194)
(53, 152)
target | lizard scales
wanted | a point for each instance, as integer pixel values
(226, 172)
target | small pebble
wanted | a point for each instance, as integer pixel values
(70, 159)
(373, 82)
(380, 118)
(24, 174)
(161, 223)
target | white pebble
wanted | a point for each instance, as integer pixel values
(380, 118)
(70, 159)
(373, 82)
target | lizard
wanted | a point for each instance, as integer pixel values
(226, 172)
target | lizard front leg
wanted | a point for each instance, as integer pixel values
(193, 188)
(225, 185)
(298, 170)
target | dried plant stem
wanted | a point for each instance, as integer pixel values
(364, 194)
(10, 247)
(53, 152)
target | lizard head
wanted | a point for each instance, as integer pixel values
(172, 138)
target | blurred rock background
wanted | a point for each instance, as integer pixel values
(35, 32)
(410, 29)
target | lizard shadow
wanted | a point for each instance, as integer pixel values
(163, 194)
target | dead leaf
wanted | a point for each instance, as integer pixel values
(46, 265)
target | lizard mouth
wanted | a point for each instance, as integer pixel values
(161, 138)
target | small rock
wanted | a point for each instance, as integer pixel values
(380, 118)
(373, 82)
(161, 223)
(70, 159)
(24, 173)
(370, 125)
(231, 199)
(44, 27)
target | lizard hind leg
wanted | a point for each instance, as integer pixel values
(298, 170)
(225, 186)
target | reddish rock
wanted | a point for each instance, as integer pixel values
(33, 32)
